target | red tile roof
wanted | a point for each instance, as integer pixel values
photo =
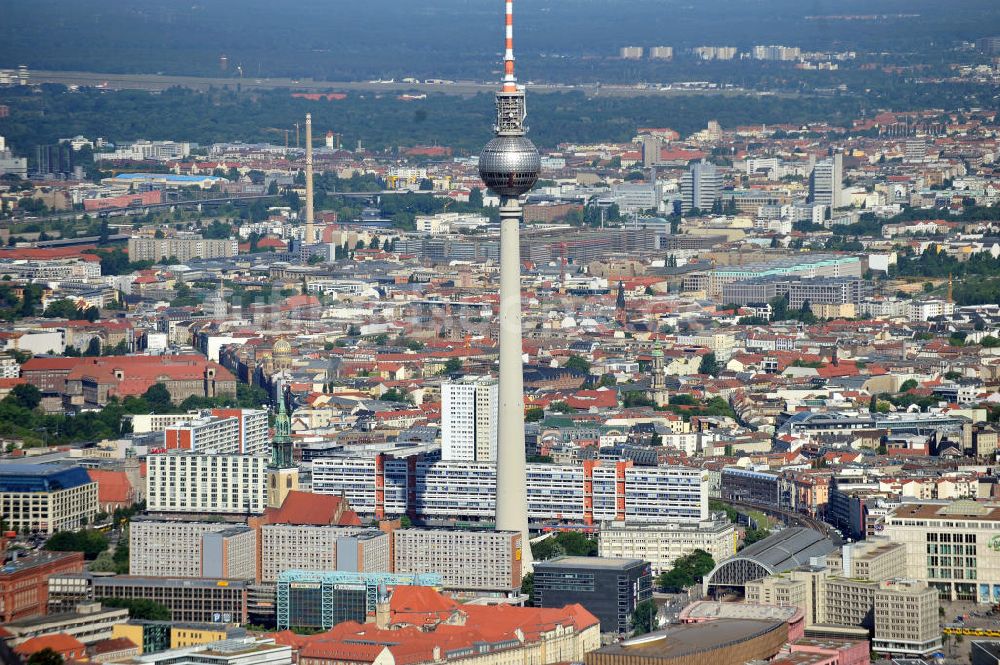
(112, 486)
(61, 643)
(363, 643)
(305, 508)
(49, 364)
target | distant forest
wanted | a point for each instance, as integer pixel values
(43, 115)
(557, 40)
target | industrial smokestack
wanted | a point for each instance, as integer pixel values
(309, 237)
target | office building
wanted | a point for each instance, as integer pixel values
(183, 247)
(46, 497)
(321, 548)
(954, 547)
(321, 600)
(906, 619)
(190, 600)
(212, 482)
(815, 291)
(88, 622)
(468, 561)
(609, 588)
(826, 183)
(383, 486)
(661, 52)
(759, 487)
(701, 187)
(630, 52)
(872, 560)
(662, 544)
(165, 548)
(24, 582)
(469, 419)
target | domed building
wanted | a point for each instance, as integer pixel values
(281, 355)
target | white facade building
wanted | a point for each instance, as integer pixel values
(587, 493)
(469, 419)
(321, 548)
(180, 482)
(662, 544)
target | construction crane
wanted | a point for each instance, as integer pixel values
(564, 249)
(279, 131)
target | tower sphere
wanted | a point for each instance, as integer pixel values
(509, 165)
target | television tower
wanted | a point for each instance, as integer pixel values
(509, 165)
(309, 237)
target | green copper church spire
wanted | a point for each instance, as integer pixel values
(281, 445)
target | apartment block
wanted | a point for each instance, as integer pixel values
(183, 247)
(587, 493)
(471, 561)
(321, 548)
(180, 482)
(165, 548)
(469, 408)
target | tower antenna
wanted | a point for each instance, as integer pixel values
(509, 165)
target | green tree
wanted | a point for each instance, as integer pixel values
(62, 309)
(560, 407)
(140, 608)
(708, 365)
(528, 588)
(908, 385)
(687, 571)
(158, 398)
(645, 618)
(534, 414)
(578, 365)
(46, 656)
(396, 395)
(93, 347)
(451, 366)
(754, 535)
(25, 396)
(88, 541)
(476, 197)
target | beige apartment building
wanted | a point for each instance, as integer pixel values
(662, 544)
(321, 548)
(166, 548)
(469, 561)
(184, 247)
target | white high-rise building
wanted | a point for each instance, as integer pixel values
(469, 419)
(701, 186)
(826, 184)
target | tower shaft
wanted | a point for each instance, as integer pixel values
(309, 237)
(511, 497)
